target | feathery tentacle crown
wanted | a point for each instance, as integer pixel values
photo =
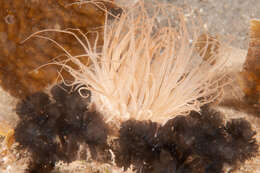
(148, 69)
(148, 66)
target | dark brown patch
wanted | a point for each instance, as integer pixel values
(53, 131)
(197, 143)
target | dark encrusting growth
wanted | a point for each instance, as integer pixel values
(53, 129)
(186, 144)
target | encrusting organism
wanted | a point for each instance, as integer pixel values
(250, 81)
(53, 130)
(17, 66)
